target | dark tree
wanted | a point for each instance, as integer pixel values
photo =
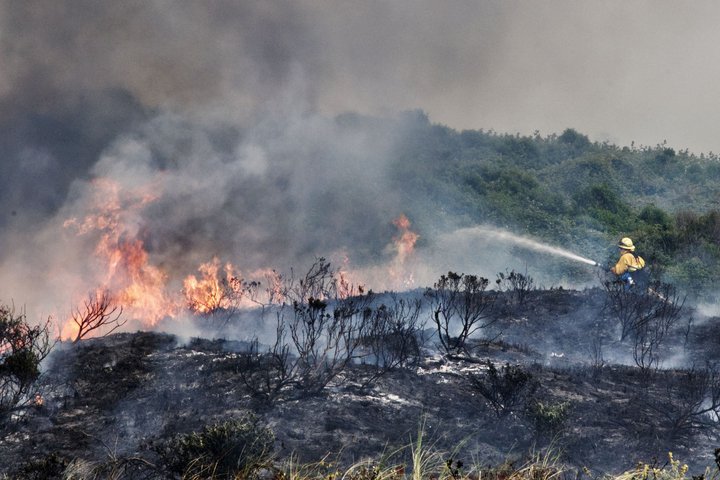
(460, 307)
(99, 310)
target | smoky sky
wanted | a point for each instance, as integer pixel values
(643, 71)
(240, 115)
(77, 74)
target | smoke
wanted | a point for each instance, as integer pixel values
(223, 125)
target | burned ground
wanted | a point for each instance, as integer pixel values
(124, 395)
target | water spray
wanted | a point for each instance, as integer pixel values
(529, 243)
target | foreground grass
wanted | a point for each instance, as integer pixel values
(221, 453)
(430, 465)
(424, 463)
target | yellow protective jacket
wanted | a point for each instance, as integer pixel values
(628, 263)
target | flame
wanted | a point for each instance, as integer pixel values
(404, 246)
(405, 241)
(137, 286)
(210, 292)
(69, 330)
(140, 288)
(348, 281)
(347, 286)
(214, 290)
(397, 273)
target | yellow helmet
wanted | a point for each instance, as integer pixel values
(626, 244)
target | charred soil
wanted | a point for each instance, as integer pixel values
(555, 365)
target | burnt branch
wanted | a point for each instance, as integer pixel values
(390, 338)
(267, 374)
(517, 284)
(326, 338)
(690, 402)
(460, 307)
(98, 311)
(658, 312)
(505, 390)
(319, 282)
(634, 309)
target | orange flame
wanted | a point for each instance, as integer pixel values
(140, 287)
(348, 283)
(137, 286)
(210, 293)
(214, 290)
(405, 242)
(404, 246)
(69, 329)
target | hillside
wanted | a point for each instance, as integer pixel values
(115, 404)
(565, 190)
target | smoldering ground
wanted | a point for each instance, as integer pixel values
(129, 392)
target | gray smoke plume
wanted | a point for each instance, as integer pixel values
(202, 117)
(224, 124)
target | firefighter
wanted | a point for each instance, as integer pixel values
(630, 267)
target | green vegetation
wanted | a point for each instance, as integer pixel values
(548, 418)
(232, 449)
(565, 189)
(22, 348)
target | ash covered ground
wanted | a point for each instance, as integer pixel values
(120, 396)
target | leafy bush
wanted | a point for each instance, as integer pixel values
(22, 348)
(604, 204)
(574, 139)
(548, 418)
(232, 449)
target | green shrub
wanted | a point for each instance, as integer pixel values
(227, 450)
(22, 348)
(548, 418)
